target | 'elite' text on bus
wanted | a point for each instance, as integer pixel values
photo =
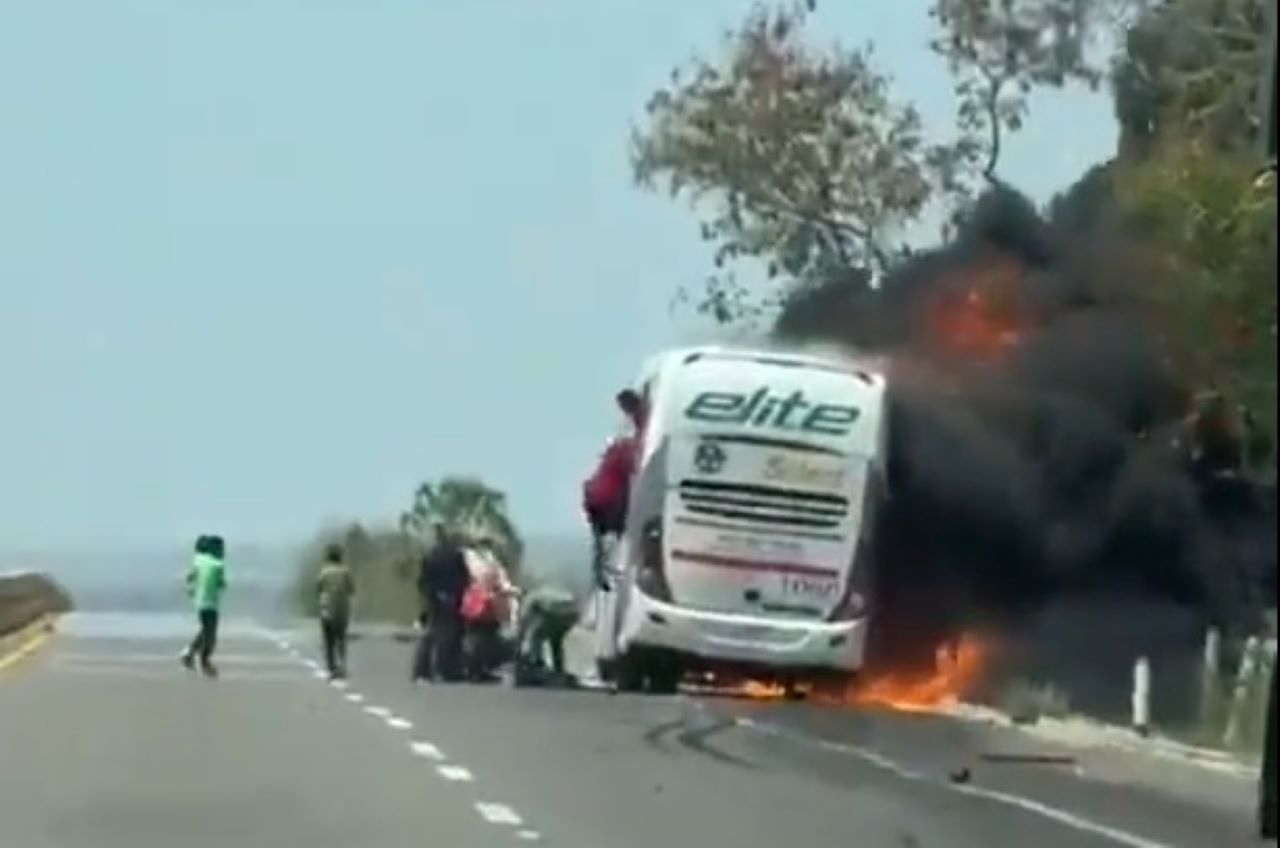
(762, 408)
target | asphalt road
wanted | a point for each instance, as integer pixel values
(106, 742)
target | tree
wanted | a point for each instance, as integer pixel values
(796, 157)
(470, 509)
(1209, 219)
(383, 562)
(998, 51)
(1191, 66)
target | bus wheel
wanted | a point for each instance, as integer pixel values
(664, 676)
(628, 673)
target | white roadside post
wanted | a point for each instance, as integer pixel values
(1142, 696)
(1210, 670)
(1240, 694)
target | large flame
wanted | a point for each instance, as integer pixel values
(958, 667)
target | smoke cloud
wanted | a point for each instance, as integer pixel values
(1041, 449)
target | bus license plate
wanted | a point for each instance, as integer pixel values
(810, 588)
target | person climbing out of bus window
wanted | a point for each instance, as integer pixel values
(606, 491)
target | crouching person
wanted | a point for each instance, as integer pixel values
(547, 615)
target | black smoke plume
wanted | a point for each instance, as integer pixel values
(1041, 444)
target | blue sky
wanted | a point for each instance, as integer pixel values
(267, 263)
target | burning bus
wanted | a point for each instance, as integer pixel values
(759, 481)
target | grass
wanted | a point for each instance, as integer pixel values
(1219, 701)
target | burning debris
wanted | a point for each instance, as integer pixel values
(1041, 447)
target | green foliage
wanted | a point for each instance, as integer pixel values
(801, 159)
(472, 511)
(383, 563)
(999, 51)
(1210, 224)
(798, 158)
(1193, 67)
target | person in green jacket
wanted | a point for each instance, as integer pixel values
(206, 582)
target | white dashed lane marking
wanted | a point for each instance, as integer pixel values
(427, 751)
(499, 815)
(455, 774)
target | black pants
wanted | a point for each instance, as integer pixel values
(439, 649)
(484, 649)
(333, 633)
(206, 638)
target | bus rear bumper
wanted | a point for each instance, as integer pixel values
(746, 640)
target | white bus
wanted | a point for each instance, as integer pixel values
(749, 533)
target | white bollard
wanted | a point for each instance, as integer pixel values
(1240, 692)
(1142, 696)
(1210, 685)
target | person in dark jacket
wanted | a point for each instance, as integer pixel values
(605, 493)
(442, 583)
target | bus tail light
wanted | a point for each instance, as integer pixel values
(855, 603)
(651, 576)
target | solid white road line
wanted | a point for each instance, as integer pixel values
(1063, 817)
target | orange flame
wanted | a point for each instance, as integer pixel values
(980, 314)
(957, 669)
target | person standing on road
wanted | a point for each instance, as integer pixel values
(606, 492)
(443, 583)
(334, 590)
(206, 583)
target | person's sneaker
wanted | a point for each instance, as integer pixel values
(188, 662)
(209, 669)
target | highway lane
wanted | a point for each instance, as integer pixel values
(717, 773)
(142, 754)
(106, 742)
